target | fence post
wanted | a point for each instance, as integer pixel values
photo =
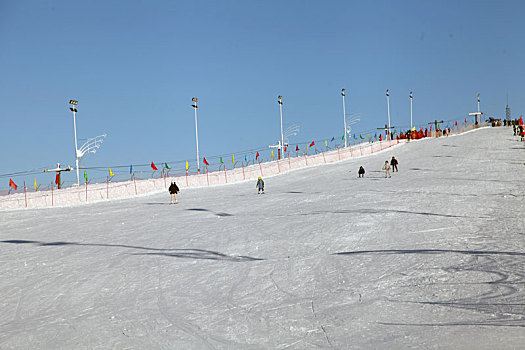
(278, 166)
(186, 177)
(306, 159)
(52, 203)
(107, 187)
(135, 183)
(207, 178)
(25, 193)
(86, 190)
(164, 176)
(225, 175)
(338, 154)
(289, 162)
(324, 158)
(243, 175)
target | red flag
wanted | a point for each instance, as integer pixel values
(285, 149)
(12, 184)
(465, 120)
(297, 148)
(153, 166)
(56, 179)
(205, 161)
(456, 123)
(313, 143)
(257, 156)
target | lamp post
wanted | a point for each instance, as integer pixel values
(478, 113)
(280, 101)
(73, 109)
(411, 110)
(388, 111)
(344, 115)
(194, 105)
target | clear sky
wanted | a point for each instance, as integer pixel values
(135, 65)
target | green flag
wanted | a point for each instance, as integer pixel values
(222, 161)
(166, 165)
(85, 174)
(343, 137)
(361, 136)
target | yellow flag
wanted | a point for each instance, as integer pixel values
(325, 143)
(272, 154)
(111, 173)
(233, 158)
(367, 136)
(36, 186)
(413, 128)
(187, 166)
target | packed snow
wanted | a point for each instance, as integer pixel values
(433, 257)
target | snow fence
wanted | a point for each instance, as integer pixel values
(90, 193)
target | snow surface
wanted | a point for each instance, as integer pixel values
(433, 258)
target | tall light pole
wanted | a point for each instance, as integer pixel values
(73, 109)
(388, 112)
(344, 115)
(280, 101)
(478, 112)
(411, 110)
(194, 105)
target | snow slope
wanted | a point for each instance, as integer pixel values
(432, 258)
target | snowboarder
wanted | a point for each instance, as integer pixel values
(174, 189)
(361, 171)
(386, 168)
(393, 164)
(260, 186)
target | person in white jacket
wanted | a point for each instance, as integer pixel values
(386, 168)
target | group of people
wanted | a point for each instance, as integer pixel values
(392, 165)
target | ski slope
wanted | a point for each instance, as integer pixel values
(433, 258)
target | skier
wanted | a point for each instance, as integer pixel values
(393, 164)
(260, 186)
(174, 189)
(361, 171)
(386, 168)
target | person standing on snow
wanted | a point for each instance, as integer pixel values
(260, 186)
(386, 168)
(361, 171)
(393, 164)
(174, 189)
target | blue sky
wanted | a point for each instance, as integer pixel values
(135, 65)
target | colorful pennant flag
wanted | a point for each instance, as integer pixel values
(312, 144)
(413, 128)
(246, 158)
(12, 184)
(111, 173)
(297, 148)
(343, 137)
(367, 136)
(205, 161)
(221, 160)
(233, 158)
(257, 156)
(325, 143)
(285, 148)
(361, 137)
(187, 166)
(153, 166)
(332, 140)
(56, 179)
(130, 169)
(36, 186)
(166, 165)
(272, 154)
(85, 175)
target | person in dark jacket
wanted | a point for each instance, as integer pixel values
(361, 171)
(260, 186)
(174, 189)
(394, 163)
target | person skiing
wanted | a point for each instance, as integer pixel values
(174, 189)
(386, 168)
(393, 164)
(260, 186)
(361, 171)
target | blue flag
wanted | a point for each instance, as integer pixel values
(333, 138)
(245, 159)
(130, 169)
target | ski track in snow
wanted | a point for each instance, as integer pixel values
(433, 257)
